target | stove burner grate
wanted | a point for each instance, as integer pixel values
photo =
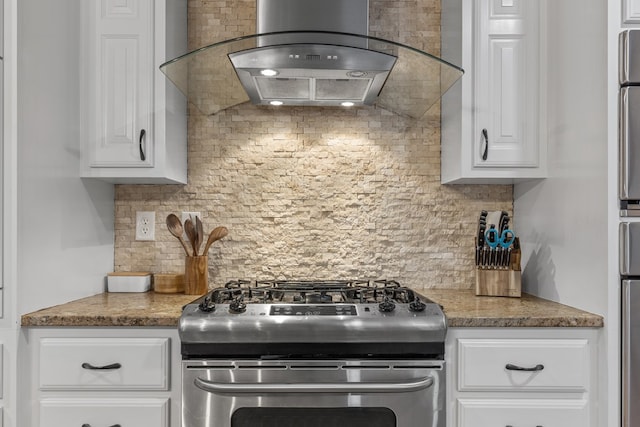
(313, 291)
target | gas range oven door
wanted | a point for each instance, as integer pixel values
(302, 393)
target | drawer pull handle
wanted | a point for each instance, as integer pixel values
(105, 367)
(89, 425)
(536, 368)
(143, 157)
(485, 136)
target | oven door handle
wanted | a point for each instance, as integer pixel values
(224, 388)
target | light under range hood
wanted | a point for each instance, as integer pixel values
(312, 53)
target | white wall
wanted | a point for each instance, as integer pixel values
(562, 220)
(65, 224)
(567, 222)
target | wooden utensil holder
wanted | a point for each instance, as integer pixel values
(501, 281)
(196, 275)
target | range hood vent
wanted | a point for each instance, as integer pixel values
(307, 53)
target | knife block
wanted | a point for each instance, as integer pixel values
(498, 283)
(196, 275)
(501, 282)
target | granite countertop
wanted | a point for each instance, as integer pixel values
(462, 308)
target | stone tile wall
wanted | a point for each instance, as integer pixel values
(315, 192)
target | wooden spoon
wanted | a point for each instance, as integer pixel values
(175, 228)
(216, 234)
(190, 229)
(199, 233)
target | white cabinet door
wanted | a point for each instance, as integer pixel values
(134, 120)
(506, 132)
(123, 53)
(521, 412)
(99, 412)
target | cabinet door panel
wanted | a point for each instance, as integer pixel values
(100, 412)
(74, 363)
(123, 75)
(506, 82)
(522, 412)
(631, 11)
(482, 365)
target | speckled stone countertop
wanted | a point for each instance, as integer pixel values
(462, 308)
(113, 309)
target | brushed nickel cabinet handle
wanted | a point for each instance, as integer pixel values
(98, 368)
(89, 425)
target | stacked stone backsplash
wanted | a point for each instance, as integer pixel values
(315, 192)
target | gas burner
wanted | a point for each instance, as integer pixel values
(313, 297)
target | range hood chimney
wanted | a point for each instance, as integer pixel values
(312, 53)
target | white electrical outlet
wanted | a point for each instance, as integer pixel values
(193, 215)
(145, 225)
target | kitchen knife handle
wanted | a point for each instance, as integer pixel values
(143, 157)
(536, 368)
(98, 368)
(485, 135)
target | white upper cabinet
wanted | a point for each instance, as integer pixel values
(490, 118)
(135, 128)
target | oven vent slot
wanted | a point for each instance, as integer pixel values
(315, 367)
(367, 367)
(262, 367)
(211, 367)
(417, 367)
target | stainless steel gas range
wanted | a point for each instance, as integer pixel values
(313, 353)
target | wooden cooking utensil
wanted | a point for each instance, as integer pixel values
(199, 234)
(190, 229)
(175, 228)
(216, 234)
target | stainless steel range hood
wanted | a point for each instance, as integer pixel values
(316, 53)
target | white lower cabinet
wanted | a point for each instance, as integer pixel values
(104, 412)
(102, 377)
(521, 377)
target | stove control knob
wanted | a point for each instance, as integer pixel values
(207, 305)
(237, 306)
(417, 305)
(387, 305)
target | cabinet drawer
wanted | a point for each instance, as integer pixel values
(522, 412)
(104, 412)
(490, 365)
(104, 363)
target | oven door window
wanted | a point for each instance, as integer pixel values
(313, 417)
